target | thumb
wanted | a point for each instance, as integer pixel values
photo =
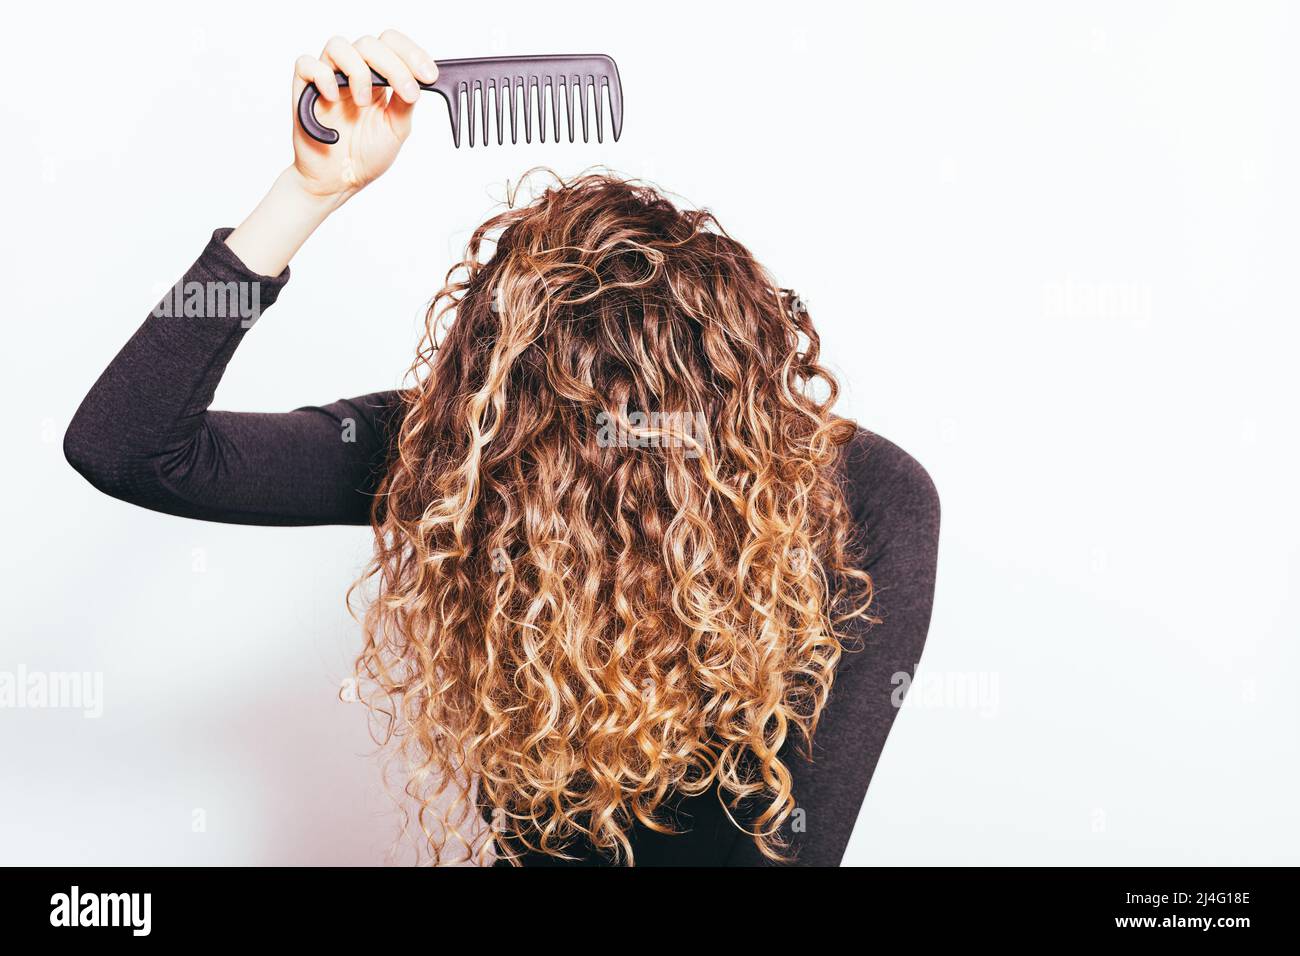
(398, 112)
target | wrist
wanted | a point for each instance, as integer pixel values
(287, 215)
(307, 195)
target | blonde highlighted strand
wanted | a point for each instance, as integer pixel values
(565, 630)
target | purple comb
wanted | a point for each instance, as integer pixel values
(519, 81)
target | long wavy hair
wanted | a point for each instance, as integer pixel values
(613, 556)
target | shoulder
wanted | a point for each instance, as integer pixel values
(894, 506)
(881, 476)
(381, 412)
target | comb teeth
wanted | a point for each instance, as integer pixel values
(478, 89)
(479, 101)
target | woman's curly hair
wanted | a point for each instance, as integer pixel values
(612, 549)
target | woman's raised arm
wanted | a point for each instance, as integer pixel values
(145, 434)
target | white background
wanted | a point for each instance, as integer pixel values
(1051, 251)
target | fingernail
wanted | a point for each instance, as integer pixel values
(410, 91)
(430, 71)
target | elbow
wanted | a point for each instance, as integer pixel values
(80, 451)
(102, 449)
(91, 455)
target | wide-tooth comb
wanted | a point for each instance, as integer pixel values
(520, 81)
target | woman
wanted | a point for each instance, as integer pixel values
(639, 596)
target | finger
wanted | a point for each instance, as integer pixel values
(344, 56)
(385, 61)
(413, 55)
(308, 69)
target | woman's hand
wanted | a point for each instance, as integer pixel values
(372, 122)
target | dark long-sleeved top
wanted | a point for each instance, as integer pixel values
(145, 434)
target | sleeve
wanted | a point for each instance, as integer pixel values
(896, 511)
(144, 433)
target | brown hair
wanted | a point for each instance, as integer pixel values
(612, 555)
